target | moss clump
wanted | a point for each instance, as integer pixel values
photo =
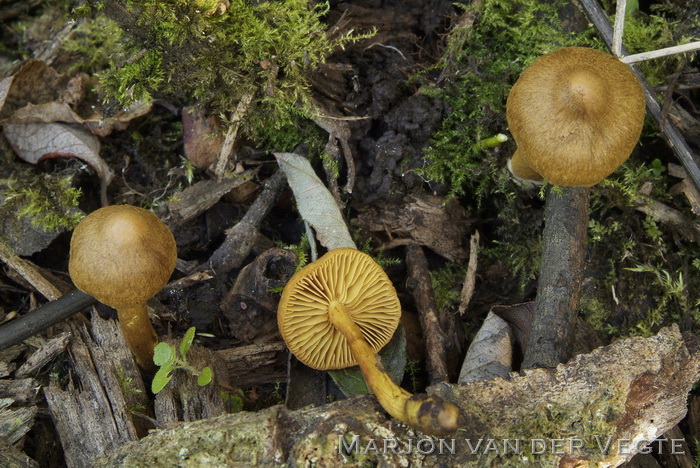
(96, 42)
(48, 200)
(199, 50)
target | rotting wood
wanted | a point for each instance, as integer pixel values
(16, 422)
(93, 417)
(198, 198)
(255, 364)
(614, 391)
(418, 282)
(22, 391)
(183, 399)
(42, 356)
(241, 237)
(29, 272)
(12, 457)
(561, 274)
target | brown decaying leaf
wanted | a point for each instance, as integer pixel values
(34, 142)
(40, 122)
(490, 355)
(202, 137)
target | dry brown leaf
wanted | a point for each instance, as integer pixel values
(36, 141)
(34, 83)
(490, 355)
(202, 137)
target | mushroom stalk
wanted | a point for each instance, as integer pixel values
(430, 414)
(561, 274)
(139, 334)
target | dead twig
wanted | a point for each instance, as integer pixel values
(470, 278)
(241, 237)
(435, 341)
(29, 272)
(234, 126)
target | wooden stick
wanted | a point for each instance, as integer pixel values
(561, 274)
(435, 340)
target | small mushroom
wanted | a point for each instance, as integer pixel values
(340, 311)
(122, 256)
(575, 114)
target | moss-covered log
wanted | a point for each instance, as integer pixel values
(601, 407)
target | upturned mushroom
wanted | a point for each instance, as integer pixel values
(340, 311)
(575, 114)
(122, 256)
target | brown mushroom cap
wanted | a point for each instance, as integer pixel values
(121, 255)
(575, 114)
(351, 278)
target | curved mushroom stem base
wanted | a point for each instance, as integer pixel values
(139, 334)
(429, 414)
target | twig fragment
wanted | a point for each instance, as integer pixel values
(470, 278)
(435, 341)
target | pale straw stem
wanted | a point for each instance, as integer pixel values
(679, 49)
(619, 28)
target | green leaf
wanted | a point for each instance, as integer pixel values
(351, 381)
(205, 377)
(187, 341)
(161, 379)
(314, 202)
(163, 354)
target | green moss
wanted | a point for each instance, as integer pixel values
(192, 51)
(481, 63)
(48, 200)
(645, 278)
(95, 41)
(446, 283)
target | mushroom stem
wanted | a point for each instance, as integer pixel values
(139, 334)
(430, 414)
(561, 274)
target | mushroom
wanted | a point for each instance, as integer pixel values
(340, 311)
(122, 256)
(575, 114)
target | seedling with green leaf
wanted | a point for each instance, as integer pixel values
(165, 356)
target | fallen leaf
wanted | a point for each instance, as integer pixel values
(36, 141)
(490, 354)
(35, 82)
(202, 137)
(314, 202)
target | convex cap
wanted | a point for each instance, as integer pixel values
(575, 114)
(121, 255)
(351, 278)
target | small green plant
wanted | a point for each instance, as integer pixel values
(673, 288)
(234, 399)
(166, 357)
